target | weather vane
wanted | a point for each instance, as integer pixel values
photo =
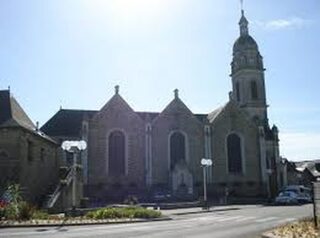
(241, 4)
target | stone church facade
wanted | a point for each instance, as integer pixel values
(133, 152)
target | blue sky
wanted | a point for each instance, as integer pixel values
(73, 52)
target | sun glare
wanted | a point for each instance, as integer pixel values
(128, 9)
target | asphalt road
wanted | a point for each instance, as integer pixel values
(239, 222)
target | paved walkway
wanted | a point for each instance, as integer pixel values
(195, 210)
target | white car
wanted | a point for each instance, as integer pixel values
(287, 198)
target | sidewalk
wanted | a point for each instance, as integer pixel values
(195, 210)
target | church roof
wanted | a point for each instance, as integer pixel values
(309, 165)
(11, 113)
(67, 122)
(214, 114)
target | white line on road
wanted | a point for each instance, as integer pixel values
(266, 219)
(229, 218)
(245, 218)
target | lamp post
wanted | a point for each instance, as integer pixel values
(74, 147)
(205, 163)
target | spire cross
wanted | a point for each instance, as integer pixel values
(176, 93)
(116, 89)
(241, 4)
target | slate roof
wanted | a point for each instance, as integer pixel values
(214, 114)
(12, 114)
(310, 165)
(67, 122)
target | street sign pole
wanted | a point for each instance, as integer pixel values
(205, 163)
(204, 186)
(74, 147)
(74, 180)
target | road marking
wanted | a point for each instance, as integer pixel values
(266, 219)
(220, 218)
(229, 218)
(245, 218)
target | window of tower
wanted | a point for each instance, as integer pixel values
(238, 91)
(234, 153)
(251, 61)
(117, 153)
(254, 90)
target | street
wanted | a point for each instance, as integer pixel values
(235, 221)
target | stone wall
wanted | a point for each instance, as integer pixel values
(32, 162)
(233, 120)
(176, 117)
(116, 115)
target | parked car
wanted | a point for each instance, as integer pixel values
(304, 193)
(287, 198)
(161, 196)
(304, 198)
(298, 189)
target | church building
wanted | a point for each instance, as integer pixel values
(132, 152)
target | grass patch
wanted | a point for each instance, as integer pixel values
(123, 212)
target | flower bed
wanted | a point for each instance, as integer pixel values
(16, 212)
(301, 229)
(125, 212)
(100, 216)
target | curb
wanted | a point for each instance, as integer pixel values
(206, 211)
(81, 223)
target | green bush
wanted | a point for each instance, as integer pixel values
(41, 215)
(128, 212)
(17, 209)
(25, 211)
(145, 213)
(11, 212)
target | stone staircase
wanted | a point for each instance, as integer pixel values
(54, 201)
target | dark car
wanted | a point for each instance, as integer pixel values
(287, 198)
(161, 196)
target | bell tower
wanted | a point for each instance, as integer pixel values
(247, 74)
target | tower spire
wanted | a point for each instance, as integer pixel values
(243, 23)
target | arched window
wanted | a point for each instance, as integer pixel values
(177, 148)
(254, 90)
(117, 153)
(238, 91)
(234, 153)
